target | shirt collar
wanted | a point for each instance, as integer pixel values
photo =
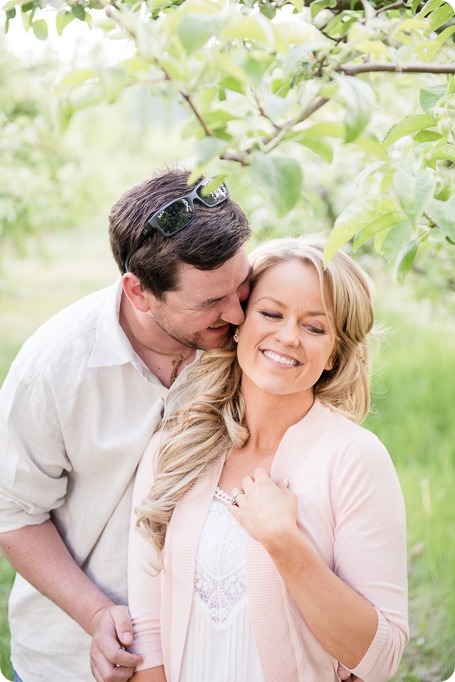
(111, 345)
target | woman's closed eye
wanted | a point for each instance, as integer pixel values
(314, 330)
(271, 315)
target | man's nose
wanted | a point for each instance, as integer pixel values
(233, 311)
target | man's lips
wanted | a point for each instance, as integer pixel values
(218, 329)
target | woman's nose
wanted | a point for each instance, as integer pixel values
(288, 334)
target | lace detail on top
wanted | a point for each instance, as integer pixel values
(219, 585)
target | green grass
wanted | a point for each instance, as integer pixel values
(413, 414)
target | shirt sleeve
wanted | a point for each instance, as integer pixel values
(144, 581)
(33, 460)
(370, 549)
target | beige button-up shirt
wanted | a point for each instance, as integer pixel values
(76, 412)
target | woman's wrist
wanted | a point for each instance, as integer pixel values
(279, 542)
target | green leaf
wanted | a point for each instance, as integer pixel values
(318, 5)
(384, 222)
(395, 239)
(300, 33)
(358, 216)
(436, 43)
(318, 145)
(370, 143)
(428, 7)
(359, 101)
(414, 193)
(112, 80)
(233, 84)
(406, 259)
(443, 214)
(256, 69)
(78, 76)
(280, 177)
(195, 30)
(135, 64)
(40, 29)
(326, 129)
(209, 148)
(387, 180)
(441, 152)
(427, 136)
(78, 11)
(429, 97)
(62, 19)
(63, 113)
(26, 20)
(249, 27)
(409, 125)
(439, 17)
(229, 68)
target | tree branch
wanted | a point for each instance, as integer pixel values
(265, 114)
(369, 67)
(393, 5)
(192, 106)
(309, 111)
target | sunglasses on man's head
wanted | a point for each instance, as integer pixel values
(178, 213)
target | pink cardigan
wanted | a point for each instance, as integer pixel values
(351, 512)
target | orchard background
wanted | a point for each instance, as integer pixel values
(329, 115)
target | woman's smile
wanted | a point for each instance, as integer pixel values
(279, 358)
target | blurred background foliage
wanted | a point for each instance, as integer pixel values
(271, 88)
(55, 194)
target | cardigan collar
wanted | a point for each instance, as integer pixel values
(267, 596)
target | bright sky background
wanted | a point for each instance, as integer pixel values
(74, 46)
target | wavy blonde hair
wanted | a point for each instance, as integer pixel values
(206, 414)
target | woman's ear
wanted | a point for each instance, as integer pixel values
(330, 363)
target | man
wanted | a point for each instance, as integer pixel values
(79, 406)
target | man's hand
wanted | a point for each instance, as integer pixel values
(111, 631)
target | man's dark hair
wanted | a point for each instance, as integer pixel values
(212, 238)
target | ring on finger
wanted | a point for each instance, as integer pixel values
(235, 493)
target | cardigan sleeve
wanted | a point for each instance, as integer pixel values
(144, 582)
(370, 548)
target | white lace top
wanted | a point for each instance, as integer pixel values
(220, 645)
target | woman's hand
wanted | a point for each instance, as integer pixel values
(264, 508)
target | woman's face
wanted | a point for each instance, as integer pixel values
(286, 340)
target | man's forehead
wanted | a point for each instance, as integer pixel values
(206, 286)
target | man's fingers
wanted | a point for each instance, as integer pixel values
(122, 623)
(125, 659)
(107, 671)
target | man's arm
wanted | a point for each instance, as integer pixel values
(39, 554)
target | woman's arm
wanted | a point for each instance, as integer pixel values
(144, 582)
(150, 675)
(341, 620)
(358, 611)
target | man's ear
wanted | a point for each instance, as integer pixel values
(137, 295)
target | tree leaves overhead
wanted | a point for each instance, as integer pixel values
(272, 87)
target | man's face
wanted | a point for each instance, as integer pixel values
(207, 302)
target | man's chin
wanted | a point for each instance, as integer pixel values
(214, 337)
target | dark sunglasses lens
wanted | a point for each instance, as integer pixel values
(215, 197)
(174, 217)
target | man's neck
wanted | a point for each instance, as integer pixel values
(162, 354)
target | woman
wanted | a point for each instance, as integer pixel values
(273, 535)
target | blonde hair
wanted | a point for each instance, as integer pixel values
(209, 414)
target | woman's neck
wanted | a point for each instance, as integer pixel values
(268, 416)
